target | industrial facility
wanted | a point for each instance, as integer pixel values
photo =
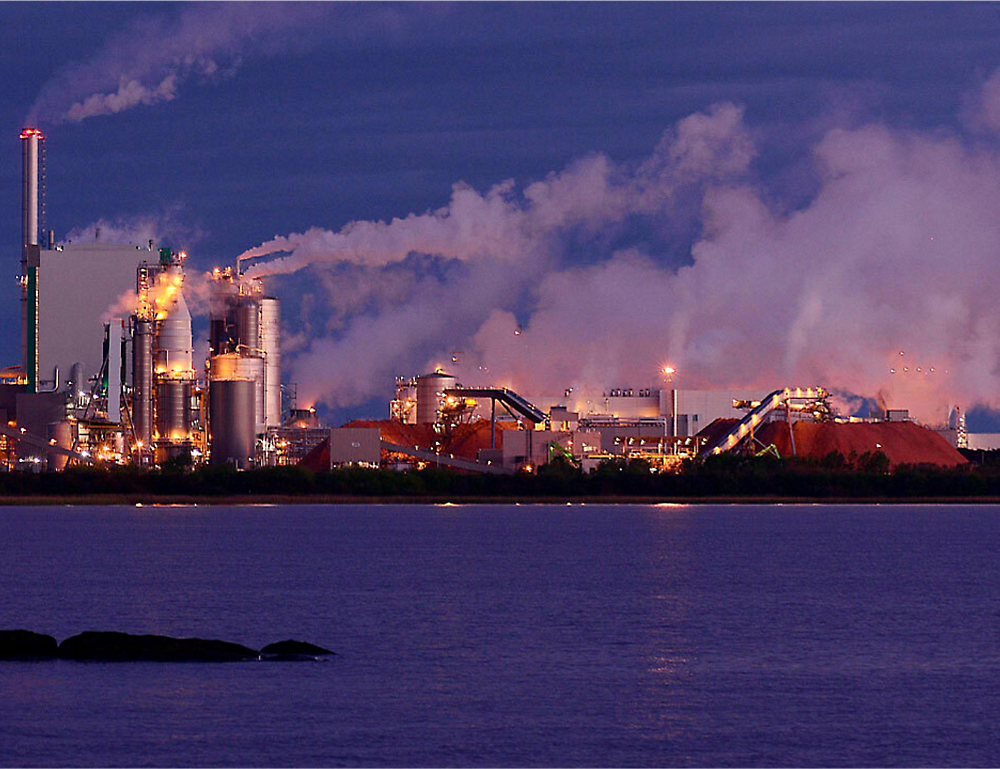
(107, 370)
(108, 376)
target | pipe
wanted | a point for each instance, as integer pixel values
(55, 383)
(142, 381)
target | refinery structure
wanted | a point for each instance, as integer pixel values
(108, 375)
(107, 372)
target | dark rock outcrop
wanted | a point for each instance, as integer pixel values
(293, 651)
(26, 645)
(124, 647)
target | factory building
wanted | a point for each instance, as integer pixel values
(243, 369)
(108, 373)
(84, 282)
(107, 370)
(166, 403)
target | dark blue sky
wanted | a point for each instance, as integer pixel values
(317, 116)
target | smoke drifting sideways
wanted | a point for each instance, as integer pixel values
(883, 285)
(147, 62)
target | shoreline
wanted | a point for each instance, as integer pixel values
(142, 500)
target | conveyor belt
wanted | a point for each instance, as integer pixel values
(777, 399)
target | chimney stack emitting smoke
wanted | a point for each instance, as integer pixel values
(32, 190)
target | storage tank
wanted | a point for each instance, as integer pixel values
(270, 342)
(142, 380)
(173, 409)
(173, 331)
(231, 419)
(430, 389)
(248, 325)
(77, 385)
(62, 434)
(234, 366)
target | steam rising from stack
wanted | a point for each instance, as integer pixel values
(895, 250)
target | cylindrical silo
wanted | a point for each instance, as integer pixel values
(270, 341)
(231, 421)
(430, 393)
(142, 380)
(234, 366)
(62, 434)
(77, 384)
(173, 409)
(248, 325)
(173, 332)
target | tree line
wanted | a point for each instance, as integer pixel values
(726, 475)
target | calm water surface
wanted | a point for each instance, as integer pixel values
(513, 635)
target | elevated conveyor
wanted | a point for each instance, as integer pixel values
(43, 445)
(447, 460)
(795, 399)
(508, 398)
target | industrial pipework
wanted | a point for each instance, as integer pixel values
(164, 396)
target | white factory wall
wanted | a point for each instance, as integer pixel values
(984, 441)
(522, 447)
(696, 409)
(355, 445)
(76, 287)
(634, 407)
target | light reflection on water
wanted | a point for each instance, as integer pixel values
(513, 635)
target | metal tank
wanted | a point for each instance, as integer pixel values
(62, 435)
(142, 380)
(248, 325)
(173, 330)
(270, 342)
(77, 384)
(234, 366)
(231, 419)
(173, 409)
(430, 389)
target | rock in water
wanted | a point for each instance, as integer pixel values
(293, 650)
(25, 645)
(124, 647)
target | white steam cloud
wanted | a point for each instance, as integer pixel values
(883, 285)
(147, 62)
(168, 226)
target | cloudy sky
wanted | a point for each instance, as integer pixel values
(758, 194)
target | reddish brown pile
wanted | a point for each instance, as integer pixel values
(465, 441)
(902, 442)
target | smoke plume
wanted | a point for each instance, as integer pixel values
(882, 284)
(153, 57)
(168, 227)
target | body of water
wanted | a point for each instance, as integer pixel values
(494, 635)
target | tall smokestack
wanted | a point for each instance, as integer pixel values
(31, 189)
